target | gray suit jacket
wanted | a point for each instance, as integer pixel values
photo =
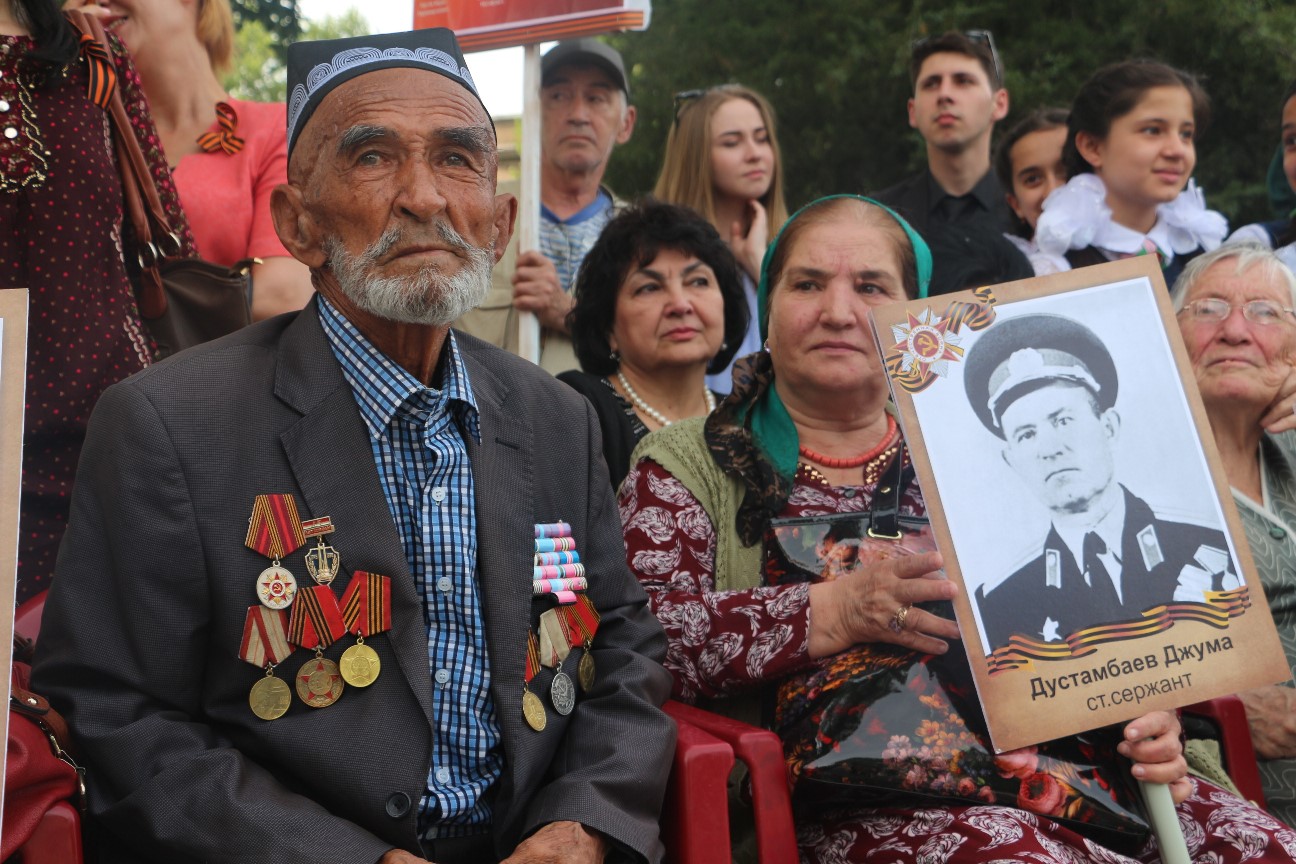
(140, 641)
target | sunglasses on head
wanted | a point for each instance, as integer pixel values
(981, 37)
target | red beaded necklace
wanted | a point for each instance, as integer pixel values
(857, 461)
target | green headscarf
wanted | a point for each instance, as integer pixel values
(771, 425)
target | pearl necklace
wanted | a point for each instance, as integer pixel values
(652, 412)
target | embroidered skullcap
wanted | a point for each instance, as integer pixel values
(316, 68)
(1016, 356)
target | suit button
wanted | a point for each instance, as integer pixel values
(1276, 532)
(398, 805)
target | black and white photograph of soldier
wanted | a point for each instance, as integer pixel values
(1092, 499)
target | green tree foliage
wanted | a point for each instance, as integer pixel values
(259, 73)
(279, 18)
(837, 74)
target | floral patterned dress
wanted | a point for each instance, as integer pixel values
(61, 238)
(730, 642)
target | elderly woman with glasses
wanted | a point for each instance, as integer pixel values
(1235, 312)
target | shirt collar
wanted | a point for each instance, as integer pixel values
(1115, 237)
(1111, 528)
(601, 203)
(382, 386)
(986, 192)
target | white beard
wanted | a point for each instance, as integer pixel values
(426, 297)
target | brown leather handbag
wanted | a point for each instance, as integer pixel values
(183, 301)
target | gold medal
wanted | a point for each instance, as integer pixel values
(533, 710)
(319, 683)
(360, 664)
(270, 697)
(585, 671)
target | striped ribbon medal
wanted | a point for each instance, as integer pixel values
(580, 622)
(366, 610)
(265, 645)
(223, 138)
(533, 710)
(316, 622)
(275, 530)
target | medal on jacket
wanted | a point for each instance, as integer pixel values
(554, 649)
(322, 562)
(316, 622)
(366, 610)
(580, 622)
(275, 531)
(265, 645)
(533, 710)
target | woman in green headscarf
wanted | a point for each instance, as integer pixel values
(806, 432)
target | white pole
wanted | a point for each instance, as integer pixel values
(529, 209)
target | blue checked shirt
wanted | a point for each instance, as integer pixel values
(417, 434)
(566, 242)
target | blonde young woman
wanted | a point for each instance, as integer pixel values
(722, 160)
(227, 154)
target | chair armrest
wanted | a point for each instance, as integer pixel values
(695, 817)
(1229, 716)
(762, 752)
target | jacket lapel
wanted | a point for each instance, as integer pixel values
(330, 454)
(503, 479)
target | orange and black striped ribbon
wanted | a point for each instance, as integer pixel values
(316, 618)
(103, 77)
(533, 656)
(366, 604)
(974, 316)
(580, 621)
(223, 138)
(275, 529)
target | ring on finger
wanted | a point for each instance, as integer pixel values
(898, 620)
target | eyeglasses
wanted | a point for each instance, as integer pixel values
(1214, 310)
(983, 37)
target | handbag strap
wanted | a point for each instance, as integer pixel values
(139, 191)
(884, 521)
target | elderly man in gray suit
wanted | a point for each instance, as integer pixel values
(357, 503)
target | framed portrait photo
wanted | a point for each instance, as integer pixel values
(1077, 498)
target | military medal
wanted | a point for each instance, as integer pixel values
(270, 697)
(316, 622)
(322, 562)
(264, 645)
(366, 610)
(319, 683)
(533, 710)
(562, 693)
(275, 530)
(276, 587)
(580, 622)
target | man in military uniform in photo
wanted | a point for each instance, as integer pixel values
(1047, 386)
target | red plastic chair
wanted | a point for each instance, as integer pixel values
(57, 839)
(695, 821)
(1228, 715)
(696, 818)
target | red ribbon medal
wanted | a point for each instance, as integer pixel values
(316, 620)
(275, 529)
(265, 643)
(533, 710)
(366, 610)
(580, 621)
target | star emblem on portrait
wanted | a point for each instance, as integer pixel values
(924, 341)
(1050, 630)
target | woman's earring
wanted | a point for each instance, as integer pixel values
(615, 357)
(765, 347)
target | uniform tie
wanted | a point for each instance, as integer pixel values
(1101, 589)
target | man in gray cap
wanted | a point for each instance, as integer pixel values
(585, 112)
(409, 701)
(1046, 385)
